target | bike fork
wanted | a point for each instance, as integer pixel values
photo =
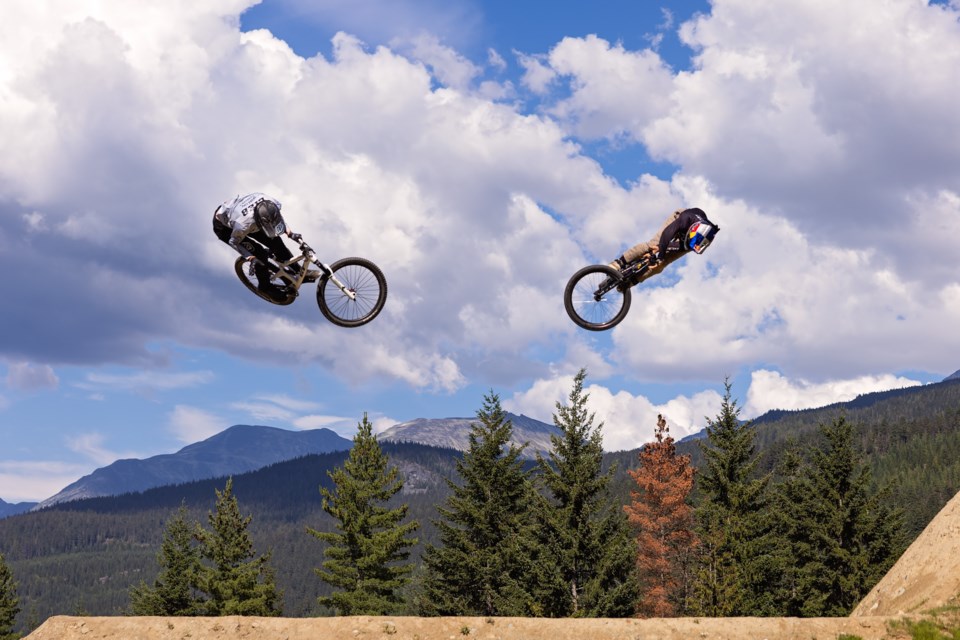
(329, 273)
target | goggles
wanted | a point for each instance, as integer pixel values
(699, 237)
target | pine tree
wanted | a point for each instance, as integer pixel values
(731, 574)
(174, 591)
(9, 602)
(366, 559)
(238, 582)
(589, 555)
(485, 560)
(841, 537)
(664, 523)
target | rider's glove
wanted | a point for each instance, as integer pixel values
(295, 237)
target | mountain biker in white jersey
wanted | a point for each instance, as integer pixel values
(252, 225)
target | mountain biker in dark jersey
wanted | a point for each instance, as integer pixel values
(252, 225)
(691, 227)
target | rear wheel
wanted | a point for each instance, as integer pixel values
(364, 281)
(244, 269)
(592, 299)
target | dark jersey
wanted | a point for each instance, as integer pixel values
(678, 229)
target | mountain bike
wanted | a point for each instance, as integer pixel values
(598, 297)
(350, 292)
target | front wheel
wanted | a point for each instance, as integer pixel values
(366, 292)
(593, 300)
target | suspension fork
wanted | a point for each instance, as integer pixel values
(329, 273)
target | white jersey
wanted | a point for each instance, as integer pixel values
(237, 214)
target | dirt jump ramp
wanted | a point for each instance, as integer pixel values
(926, 576)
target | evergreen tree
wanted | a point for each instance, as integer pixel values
(486, 556)
(732, 574)
(841, 537)
(589, 562)
(9, 602)
(174, 591)
(366, 559)
(664, 523)
(238, 582)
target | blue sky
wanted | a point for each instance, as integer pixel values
(480, 152)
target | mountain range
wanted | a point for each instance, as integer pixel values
(454, 433)
(9, 509)
(239, 449)
(243, 448)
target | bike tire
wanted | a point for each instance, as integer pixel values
(583, 307)
(250, 282)
(362, 277)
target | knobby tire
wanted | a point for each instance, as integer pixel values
(585, 310)
(365, 279)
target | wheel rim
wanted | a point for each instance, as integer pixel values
(363, 283)
(250, 281)
(587, 307)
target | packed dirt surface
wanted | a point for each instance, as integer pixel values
(402, 628)
(926, 577)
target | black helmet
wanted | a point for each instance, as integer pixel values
(268, 218)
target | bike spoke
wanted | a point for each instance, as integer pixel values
(588, 307)
(362, 282)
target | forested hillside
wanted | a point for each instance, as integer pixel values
(82, 557)
(910, 437)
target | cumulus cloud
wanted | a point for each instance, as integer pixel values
(830, 163)
(771, 390)
(190, 424)
(628, 420)
(26, 376)
(614, 92)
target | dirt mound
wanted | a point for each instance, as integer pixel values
(926, 576)
(404, 628)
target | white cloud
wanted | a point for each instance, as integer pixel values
(145, 381)
(537, 75)
(35, 221)
(449, 67)
(495, 60)
(264, 412)
(190, 424)
(614, 91)
(35, 481)
(340, 424)
(293, 404)
(771, 390)
(628, 420)
(90, 446)
(26, 376)
(830, 163)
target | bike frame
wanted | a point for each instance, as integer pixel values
(307, 256)
(630, 274)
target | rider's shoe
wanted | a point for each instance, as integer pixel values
(311, 276)
(271, 290)
(618, 266)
